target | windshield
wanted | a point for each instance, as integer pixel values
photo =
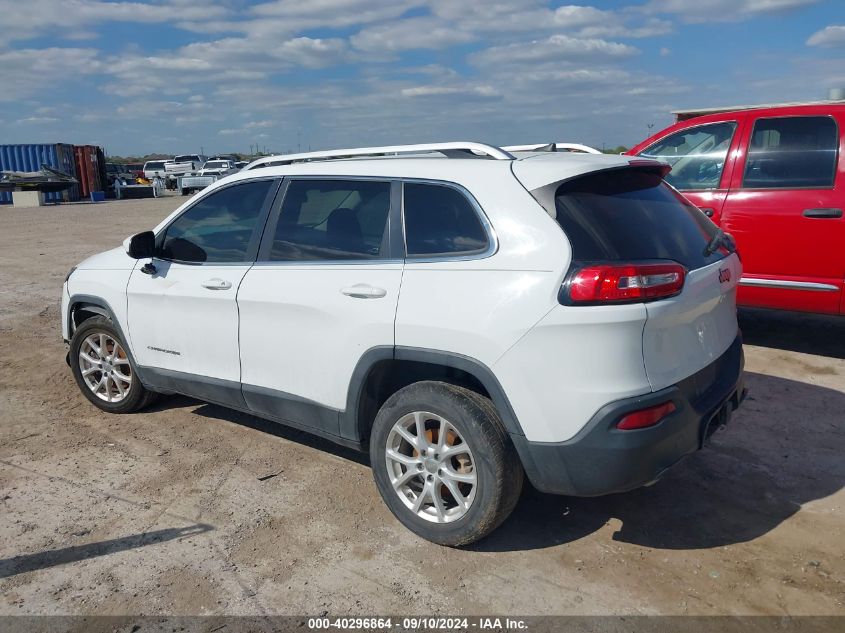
(631, 215)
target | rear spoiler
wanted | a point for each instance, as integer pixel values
(545, 194)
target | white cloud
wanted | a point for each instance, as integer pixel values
(557, 48)
(411, 33)
(37, 120)
(722, 10)
(74, 19)
(432, 91)
(461, 22)
(833, 35)
(25, 72)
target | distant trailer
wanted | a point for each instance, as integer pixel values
(190, 184)
(131, 191)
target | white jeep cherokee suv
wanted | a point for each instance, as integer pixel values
(470, 315)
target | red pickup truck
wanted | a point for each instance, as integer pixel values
(774, 178)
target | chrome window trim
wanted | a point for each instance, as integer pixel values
(328, 263)
(210, 190)
(273, 218)
(758, 282)
(492, 237)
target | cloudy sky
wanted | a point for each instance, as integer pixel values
(180, 75)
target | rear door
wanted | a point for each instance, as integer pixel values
(785, 210)
(702, 156)
(322, 294)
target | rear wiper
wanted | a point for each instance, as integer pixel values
(720, 239)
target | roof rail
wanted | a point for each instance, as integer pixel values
(567, 147)
(451, 150)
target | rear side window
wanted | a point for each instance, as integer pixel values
(631, 215)
(440, 220)
(792, 152)
(219, 228)
(697, 155)
(325, 220)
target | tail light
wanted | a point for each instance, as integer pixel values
(625, 283)
(645, 417)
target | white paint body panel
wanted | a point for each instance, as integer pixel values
(686, 333)
(573, 362)
(301, 335)
(171, 310)
(104, 276)
(457, 308)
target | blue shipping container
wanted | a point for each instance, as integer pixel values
(30, 158)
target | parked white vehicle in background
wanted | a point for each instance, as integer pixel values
(182, 165)
(565, 316)
(218, 168)
(155, 168)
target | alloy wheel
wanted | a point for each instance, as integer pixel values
(431, 467)
(105, 367)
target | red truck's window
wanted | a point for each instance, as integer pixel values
(792, 153)
(697, 155)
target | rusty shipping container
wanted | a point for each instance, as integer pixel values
(90, 169)
(28, 157)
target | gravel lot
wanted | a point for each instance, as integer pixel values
(193, 509)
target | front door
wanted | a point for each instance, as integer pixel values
(785, 210)
(323, 293)
(702, 157)
(183, 317)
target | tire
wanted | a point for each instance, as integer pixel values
(478, 448)
(120, 376)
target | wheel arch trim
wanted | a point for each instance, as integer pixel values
(350, 424)
(100, 306)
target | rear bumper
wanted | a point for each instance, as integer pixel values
(601, 459)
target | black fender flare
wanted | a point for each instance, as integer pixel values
(349, 423)
(100, 306)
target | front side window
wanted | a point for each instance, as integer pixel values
(218, 228)
(332, 220)
(697, 155)
(792, 152)
(440, 220)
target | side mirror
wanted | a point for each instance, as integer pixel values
(142, 245)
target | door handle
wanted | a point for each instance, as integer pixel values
(822, 213)
(364, 291)
(216, 284)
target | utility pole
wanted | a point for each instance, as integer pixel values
(298, 146)
(650, 126)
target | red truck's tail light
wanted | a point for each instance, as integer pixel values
(645, 417)
(625, 283)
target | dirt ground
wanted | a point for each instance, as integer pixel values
(193, 509)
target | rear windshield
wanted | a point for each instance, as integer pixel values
(155, 165)
(631, 214)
